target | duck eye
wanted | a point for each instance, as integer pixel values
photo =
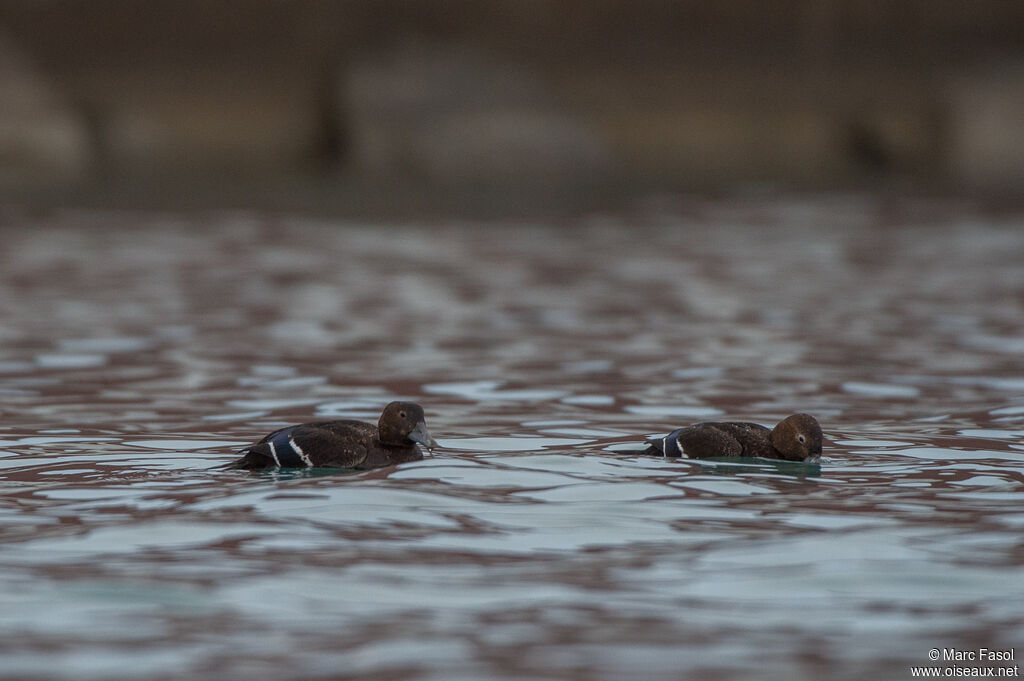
(801, 438)
(401, 414)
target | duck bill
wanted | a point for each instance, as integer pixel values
(420, 435)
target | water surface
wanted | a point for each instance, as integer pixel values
(140, 350)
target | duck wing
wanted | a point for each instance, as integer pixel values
(707, 440)
(700, 441)
(336, 444)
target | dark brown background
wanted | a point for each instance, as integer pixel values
(366, 104)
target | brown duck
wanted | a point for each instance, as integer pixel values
(344, 444)
(795, 438)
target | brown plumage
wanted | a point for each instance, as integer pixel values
(344, 444)
(795, 438)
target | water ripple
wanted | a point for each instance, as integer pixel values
(538, 542)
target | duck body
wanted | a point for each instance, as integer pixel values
(343, 444)
(795, 438)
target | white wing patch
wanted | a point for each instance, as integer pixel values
(298, 450)
(273, 453)
(672, 447)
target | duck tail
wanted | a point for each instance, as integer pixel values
(655, 447)
(250, 461)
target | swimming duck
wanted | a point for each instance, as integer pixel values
(344, 444)
(795, 438)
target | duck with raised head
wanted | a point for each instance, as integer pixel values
(344, 444)
(795, 438)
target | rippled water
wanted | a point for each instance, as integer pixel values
(139, 351)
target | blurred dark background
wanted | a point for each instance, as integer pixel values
(369, 105)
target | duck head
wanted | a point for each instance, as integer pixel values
(403, 422)
(798, 438)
